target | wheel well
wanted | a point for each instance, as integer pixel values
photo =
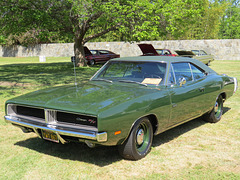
(154, 122)
(224, 96)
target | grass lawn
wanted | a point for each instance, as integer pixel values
(194, 150)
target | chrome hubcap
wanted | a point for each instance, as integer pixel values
(140, 136)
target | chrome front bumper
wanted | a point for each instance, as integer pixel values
(25, 124)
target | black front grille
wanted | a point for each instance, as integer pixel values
(76, 119)
(28, 111)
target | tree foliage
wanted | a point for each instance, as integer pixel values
(189, 19)
(230, 22)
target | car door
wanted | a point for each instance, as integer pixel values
(96, 56)
(104, 55)
(186, 99)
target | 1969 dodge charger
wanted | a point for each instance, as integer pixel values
(125, 103)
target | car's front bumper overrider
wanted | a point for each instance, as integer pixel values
(27, 125)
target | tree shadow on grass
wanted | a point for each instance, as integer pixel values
(48, 73)
(33, 76)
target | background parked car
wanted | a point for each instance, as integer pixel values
(200, 55)
(97, 56)
(101, 56)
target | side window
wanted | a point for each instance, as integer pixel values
(93, 52)
(103, 52)
(202, 52)
(197, 73)
(182, 70)
(196, 52)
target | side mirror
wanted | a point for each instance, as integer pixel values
(182, 81)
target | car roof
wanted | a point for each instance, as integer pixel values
(154, 58)
(166, 59)
(163, 49)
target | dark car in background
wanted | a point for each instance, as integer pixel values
(97, 56)
(101, 56)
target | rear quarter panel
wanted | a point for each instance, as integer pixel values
(218, 84)
(228, 86)
(205, 58)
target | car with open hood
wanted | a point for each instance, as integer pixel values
(149, 50)
(126, 103)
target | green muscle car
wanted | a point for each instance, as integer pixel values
(125, 103)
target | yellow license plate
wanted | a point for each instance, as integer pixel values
(51, 136)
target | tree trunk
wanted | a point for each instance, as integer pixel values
(80, 59)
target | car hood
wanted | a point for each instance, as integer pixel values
(148, 49)
(87, 51)
(184, 52)
(90, 98)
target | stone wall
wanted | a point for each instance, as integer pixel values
(227, 49)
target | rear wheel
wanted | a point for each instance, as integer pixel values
(216, 113)
(139, 141)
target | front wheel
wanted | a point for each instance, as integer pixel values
(216, 113)
(139, 141)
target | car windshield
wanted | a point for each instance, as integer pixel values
(132, 72)
(93, 51)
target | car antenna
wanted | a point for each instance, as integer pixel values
(73, 59)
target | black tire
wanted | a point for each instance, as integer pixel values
(139, 142)
(91, 62)
(216, 113)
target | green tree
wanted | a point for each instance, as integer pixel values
(188, 19)
(210, 20)
(230, 22)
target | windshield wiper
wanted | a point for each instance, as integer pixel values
(99, 79)
(130, 81)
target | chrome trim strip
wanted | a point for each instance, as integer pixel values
(73, 132)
